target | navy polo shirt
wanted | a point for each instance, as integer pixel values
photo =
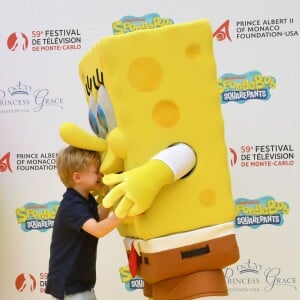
(72, 264)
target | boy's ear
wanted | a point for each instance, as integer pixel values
(76, 177)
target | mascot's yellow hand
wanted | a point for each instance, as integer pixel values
(135, 190)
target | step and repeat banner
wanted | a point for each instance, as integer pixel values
(256, 45)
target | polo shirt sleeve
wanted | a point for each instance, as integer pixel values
(78, 213)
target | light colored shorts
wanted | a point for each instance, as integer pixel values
(87, 295)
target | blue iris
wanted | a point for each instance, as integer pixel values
(93, 122)
(102, 118)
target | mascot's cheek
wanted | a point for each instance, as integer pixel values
(116, 143)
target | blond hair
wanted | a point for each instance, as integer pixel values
(72, 159)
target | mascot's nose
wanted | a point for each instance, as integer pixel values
(78, 137)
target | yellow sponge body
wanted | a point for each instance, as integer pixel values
(162, 85)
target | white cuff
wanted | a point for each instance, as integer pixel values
(180, 158)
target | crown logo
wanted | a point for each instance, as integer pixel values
(249, 267)
(19, 89)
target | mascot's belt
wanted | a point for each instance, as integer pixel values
(180, 239)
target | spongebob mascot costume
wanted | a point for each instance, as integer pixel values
(154, 106)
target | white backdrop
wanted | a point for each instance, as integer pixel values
(40, 89)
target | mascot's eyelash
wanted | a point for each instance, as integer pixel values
(95, 82)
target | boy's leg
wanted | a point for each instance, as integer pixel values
(87, 295)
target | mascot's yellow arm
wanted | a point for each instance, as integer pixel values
(143, 182)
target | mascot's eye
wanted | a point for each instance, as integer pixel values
(101, 117)
(105, 110)
(101, 114)
(95, 124)
(97, 119)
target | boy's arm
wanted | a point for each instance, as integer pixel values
(102, 228)
(103, 212)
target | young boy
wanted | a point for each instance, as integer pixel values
(77, 226)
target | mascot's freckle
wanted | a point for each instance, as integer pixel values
(155, 108)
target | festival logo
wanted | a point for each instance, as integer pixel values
(22, 98)
(130, 283)
(25, 282)
(17, 41)
(241, 88)
(43, 276)
(259, 156)
(261, 211)
(45, 40)
(33, 216)
(233, 157)
(131, 23)
(252, 277)
(5, 163)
